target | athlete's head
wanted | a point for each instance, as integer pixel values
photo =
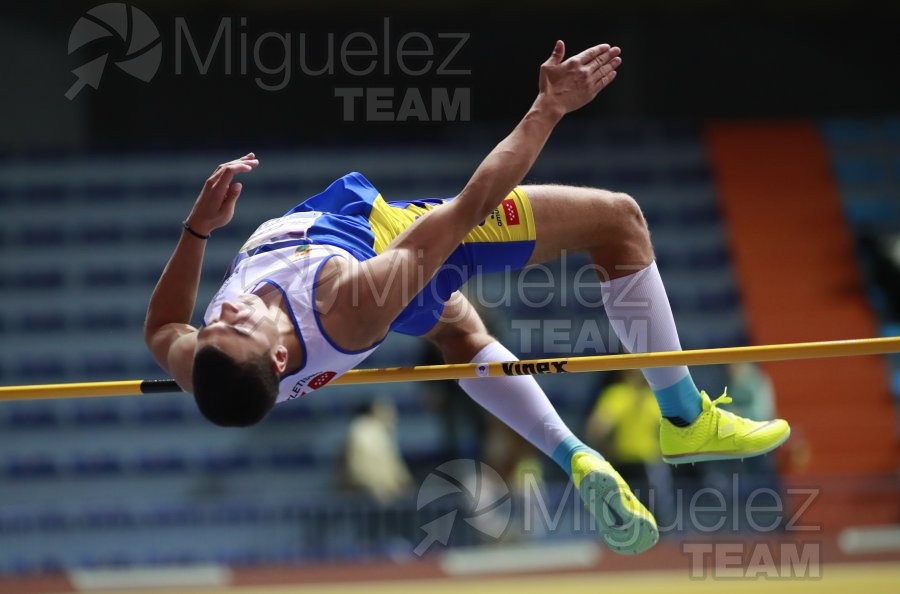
(233, 393)
(237, 364)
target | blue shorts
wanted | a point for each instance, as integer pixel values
(360, 221)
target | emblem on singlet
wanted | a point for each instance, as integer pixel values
(310, 383)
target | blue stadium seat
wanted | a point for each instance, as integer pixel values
(43, 195)
(162, 190)
(697, 215)
(237, 557)
(103, 191)
(282, 185)
(109, 365)
(105, 277)
(168, 558)
(230, 461)
(92, 412)
(113, 515)
(160, 413)
(297, 410)
(161, 463)
(654, 217)
(44, 280)
(51, 520)
(102, 320)
(713, 258)
(14, 520)
(31, 467)
(860, 171)
(891, 128)
(291, 457)
(39, 236)
(38, 369)
(92, 465)
(882, 211)
(101, 234)
(148, 368)
(717, 299)
(172, 514)
(43, 321)
(688, 175)
(630, 177)
(236, 513)
(158, 232)
(845, 132)
(31, 415)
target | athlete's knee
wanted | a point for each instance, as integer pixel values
(629, 214)
(624, 222)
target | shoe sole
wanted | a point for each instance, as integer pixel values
(633, 533)
(714, 456)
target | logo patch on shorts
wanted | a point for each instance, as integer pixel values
(510, 211)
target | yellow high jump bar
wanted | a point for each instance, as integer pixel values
(772, 352)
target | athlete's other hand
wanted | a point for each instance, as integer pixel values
(215, 204)
(566, 85)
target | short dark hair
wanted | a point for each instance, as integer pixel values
(231, 393)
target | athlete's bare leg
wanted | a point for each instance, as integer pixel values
(610, 227)
(607, 225)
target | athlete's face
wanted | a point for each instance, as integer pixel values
(242, 330)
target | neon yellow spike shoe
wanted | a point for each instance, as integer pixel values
(718, 434)
(626, 525)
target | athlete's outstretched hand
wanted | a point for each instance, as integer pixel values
(215, 204)
(573, 83)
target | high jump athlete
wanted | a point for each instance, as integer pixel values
(313, 293)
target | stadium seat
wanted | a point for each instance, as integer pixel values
(92, 465)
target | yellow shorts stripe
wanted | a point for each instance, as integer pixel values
(512, 221)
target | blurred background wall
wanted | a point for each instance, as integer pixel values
(689, 59)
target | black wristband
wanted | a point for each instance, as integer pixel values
(192, 232)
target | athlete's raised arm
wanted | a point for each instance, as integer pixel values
(564, 86)
(367, 298)
(172, 303)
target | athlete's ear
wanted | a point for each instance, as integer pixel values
(280, 358)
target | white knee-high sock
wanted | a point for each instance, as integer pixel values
(639, 313)
(521, 403)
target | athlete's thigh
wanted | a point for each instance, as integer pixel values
(459, 318)
(569, 218)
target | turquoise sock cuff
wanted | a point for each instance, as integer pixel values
(567, 448)
(681, 400)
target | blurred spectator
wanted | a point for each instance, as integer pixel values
(751, 392)
(372, 460)
(753, 396)
(624, 427)
(881, 264)
(464, 421)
